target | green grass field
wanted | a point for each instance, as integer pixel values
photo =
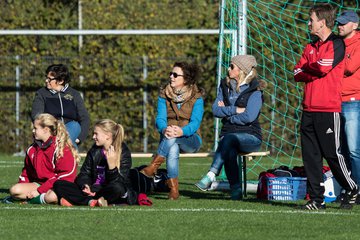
(196, 215)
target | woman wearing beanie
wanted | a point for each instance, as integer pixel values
(238, 103)
(179, 114)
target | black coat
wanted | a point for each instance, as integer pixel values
(95, 157)
(66, 105)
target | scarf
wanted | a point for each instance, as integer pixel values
(179, 96)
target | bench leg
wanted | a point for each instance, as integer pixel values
(242, 174)
(240, 161)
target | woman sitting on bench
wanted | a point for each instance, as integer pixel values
(179, 114)
(238, 103)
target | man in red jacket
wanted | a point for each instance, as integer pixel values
(348, 23)
(321, 67)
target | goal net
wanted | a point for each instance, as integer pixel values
(275, 32)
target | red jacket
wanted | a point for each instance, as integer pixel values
(351, 80)
(42, 167)
(321, 67)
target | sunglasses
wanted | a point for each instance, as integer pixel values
(48, 79)
(175, 74)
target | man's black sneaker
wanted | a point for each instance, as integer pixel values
(340, 197)
(313, 206)
(349, 198)
(357, 199)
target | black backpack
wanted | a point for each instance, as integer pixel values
(144, 184)
(159, 181)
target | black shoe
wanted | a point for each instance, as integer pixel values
(313, 206)
(7, 200)
(349, 199)
(132, 197)
(357, 199)
(339, 198)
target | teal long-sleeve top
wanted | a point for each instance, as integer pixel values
(195, 119)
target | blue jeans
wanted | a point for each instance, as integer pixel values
(351, 142)
(226, 153)
(74, 130)
(170, 149)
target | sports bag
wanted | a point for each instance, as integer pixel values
(144, 184)
(262, 189)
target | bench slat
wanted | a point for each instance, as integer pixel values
(204, 154)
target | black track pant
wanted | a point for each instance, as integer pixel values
(71, 192)
(320, 138)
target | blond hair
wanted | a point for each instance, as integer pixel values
(243, 78)
(58, 129)
(117, 133)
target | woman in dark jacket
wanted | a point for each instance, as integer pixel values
(238, 103)
(104, 176)
(63, 102)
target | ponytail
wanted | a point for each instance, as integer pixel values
(117, 141)
(62, 140)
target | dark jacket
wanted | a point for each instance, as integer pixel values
(66, 105)
(251, 128)
(94, 159)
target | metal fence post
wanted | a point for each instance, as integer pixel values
(17, 100)
(145, 102)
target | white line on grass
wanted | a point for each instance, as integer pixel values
(12, 162)
(147, 209)
(8, 166)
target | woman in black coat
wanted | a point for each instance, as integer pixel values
(104, 176)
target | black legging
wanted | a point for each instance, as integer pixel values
(72, 192)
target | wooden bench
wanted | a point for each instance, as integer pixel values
(190, 155)
(150, 155)
(242, 159)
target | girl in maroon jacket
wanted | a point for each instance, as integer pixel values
(51, 157)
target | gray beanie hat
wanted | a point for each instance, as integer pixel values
(244, 62)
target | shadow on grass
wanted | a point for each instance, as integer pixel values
(189, 190)
(192, 194)
(281, 204)
(225, 195)
(211, 195)
(4, 190)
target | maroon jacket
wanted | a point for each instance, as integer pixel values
(42, 167)
(351, 81)
(321, 67)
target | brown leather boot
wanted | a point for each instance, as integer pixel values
(173, 184)
(151, 169)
